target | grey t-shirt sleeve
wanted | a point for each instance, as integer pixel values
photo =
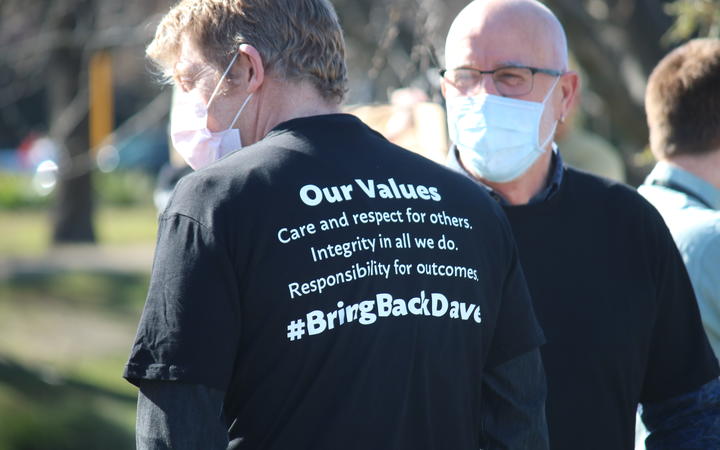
(179, 416)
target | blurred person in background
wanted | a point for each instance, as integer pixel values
(320, 287)
(607, 282)
(683, 112)
(410, 120)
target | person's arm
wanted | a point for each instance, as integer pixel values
(179, 416)
(680, 395)
(688, 421)
(513, 407)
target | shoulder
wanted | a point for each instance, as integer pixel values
(212, 191)
(697, 224)
(633, 217)
(694, 226)
(232, 177)
(701, 233)
(610, 193)
(593, 184)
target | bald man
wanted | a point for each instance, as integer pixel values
(608, 285)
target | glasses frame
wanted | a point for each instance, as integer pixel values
(533, 71)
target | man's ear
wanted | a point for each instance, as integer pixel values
(251, 72)
(569, 87)
(443, 88)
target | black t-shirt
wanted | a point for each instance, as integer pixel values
(342, 291)
(613, 297)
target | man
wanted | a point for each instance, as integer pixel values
(320, 288)
(683, 112)
(607, 283)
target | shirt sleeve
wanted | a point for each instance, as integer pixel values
(513, 407)
(680, 358)
(690, 420)
(190, 326)
(179, 416)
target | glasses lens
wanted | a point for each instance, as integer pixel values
(513, 80)
(464, 80)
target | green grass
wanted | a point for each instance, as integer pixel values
(40, 413)
(130, 225)
(107, 292)
(65, 334)
(64, 338)
(26, 233)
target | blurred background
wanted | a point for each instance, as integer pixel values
(85, 164)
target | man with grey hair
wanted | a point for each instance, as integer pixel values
(608, 285)
(320, 288)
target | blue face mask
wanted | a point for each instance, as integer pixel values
(499, 136)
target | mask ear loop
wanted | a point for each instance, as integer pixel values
(554, 85)
(550, 137)
(217, 87)
(555, 123)
(237, 116)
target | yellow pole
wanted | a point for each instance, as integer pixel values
(101, 98)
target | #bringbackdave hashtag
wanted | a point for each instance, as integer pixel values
(367, 312)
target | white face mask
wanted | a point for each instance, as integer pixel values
(499, 136)
(189, 132)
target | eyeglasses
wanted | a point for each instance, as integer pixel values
(510, 81)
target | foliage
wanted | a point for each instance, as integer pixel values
(17, 192)
(124, 188)
(693, 18)
(120, 188)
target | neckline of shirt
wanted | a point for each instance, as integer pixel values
(665, 173)
(552, 184)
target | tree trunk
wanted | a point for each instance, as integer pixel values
(73, 209)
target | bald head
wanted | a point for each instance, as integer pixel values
(489, 35)
(507, 29)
